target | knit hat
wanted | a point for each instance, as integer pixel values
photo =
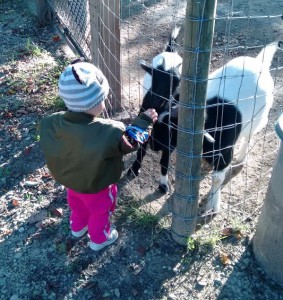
(82, 86)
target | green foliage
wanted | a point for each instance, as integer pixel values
(33, 49)
(192, 244)
(239, 227)
(142, 217)
(204, 241)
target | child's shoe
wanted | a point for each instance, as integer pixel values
(80, 233)
(113, 237)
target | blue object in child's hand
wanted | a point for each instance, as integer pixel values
(137, 134)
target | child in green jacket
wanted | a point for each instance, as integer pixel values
(84, 152)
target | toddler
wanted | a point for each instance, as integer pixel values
(84, 152)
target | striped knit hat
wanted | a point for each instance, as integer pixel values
(82, 86)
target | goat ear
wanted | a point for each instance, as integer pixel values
(146, 66)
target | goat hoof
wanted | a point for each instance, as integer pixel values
(163, 188)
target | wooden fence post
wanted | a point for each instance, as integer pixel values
(105, 36)
(268, 238)
(199, 30)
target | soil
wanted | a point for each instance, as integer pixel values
(40, 259)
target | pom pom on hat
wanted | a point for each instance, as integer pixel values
(82, 86)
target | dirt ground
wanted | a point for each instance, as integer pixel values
(40, 260)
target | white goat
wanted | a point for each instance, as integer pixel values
(245, 83)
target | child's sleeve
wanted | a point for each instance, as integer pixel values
(138, 132)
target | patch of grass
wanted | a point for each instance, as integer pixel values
(33, 49)
(239, 227)
(142, 217)
(192, 244)
(204, 241)
(208, 240)
(41, 78)
(36, 137)
(48, 81)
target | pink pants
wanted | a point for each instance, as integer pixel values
(94, 211)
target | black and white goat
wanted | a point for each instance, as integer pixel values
(239, 97)
(161, 79)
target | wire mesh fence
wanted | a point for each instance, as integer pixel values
(241, 28)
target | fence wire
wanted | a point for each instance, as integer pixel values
(241, 28)
(73, 16)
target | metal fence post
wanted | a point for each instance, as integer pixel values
(268, 238)
(199, 30)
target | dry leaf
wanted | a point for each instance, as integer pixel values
(8, 115)
(15, 202)
(57, 212)
(56, 38)
(7, 232)
(226, 231)
(239, 235)
(27, 151)
(224, 258)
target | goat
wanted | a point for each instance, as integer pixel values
(239, 97)
(161, 78)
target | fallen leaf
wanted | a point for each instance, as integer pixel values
(7, 232)
(56, 38)
(224, 258)
(27, 150)
(46, 175)
(239, 235)
(15, 202)
(57, 212)
(50, 221)
(10, 92)
(227, 231)
(8, 115)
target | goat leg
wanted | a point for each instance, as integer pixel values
(164, 162)
(135, 169)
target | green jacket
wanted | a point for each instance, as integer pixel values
(86, 153)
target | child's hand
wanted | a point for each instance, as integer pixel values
(152, 114)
